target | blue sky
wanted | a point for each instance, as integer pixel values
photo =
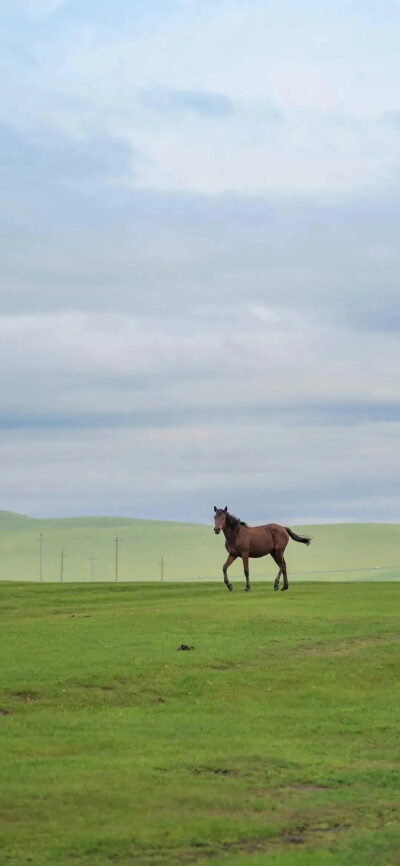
(200, 263)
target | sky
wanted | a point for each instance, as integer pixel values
(200, 259)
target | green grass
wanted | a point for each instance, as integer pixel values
(274, 741)
(337, 552)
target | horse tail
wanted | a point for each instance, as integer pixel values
(304, 539)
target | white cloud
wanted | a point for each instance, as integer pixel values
(240, 339)
(328, 101)
(273, 477)
(281, 357)
(31, 9)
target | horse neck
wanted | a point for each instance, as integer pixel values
(230, 534)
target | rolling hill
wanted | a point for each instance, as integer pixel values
(190, 551)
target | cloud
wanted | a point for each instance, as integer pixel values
(196, 367)
(197, 102)
(31, 9)
(392, 118)
(288, 471)
(47, 154)
(177, 422)
(295, 116)
(258, 405)
(200, 277)
(102, 248)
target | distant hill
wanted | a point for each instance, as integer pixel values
(190, 551)
(10, 520)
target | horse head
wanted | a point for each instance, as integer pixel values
(219, 519)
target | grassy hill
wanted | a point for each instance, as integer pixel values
(190, 551)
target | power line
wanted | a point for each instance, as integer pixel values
(92, 560)
(61, 556)
(162, 564)
(40, 540)
(116, 542)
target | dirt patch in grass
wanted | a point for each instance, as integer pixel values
(300, 835)
(4, 712)
(328, 785)
(217, 771)
(199, 851)
(69, 614)
(25, 697)
(273, 791)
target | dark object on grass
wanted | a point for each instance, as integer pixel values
(185, 646)
(4, 712)
(254, 541)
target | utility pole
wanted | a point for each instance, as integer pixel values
(92, 559)
(40, 540)
(162, 564)
(116, 541)
(62, 566)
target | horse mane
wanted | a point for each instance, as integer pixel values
(234, 523)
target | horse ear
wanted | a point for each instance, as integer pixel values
(226, 508)
(215, 508)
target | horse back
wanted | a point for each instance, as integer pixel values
(264, 539)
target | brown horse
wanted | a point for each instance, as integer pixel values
(254, 541)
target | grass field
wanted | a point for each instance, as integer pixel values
(274, 741)
(190, 551)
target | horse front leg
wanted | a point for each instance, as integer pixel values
(245, 557)
(225, 568)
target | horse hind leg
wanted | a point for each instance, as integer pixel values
(245, 558)
(285, 578)
(279, 558)
(277, 579)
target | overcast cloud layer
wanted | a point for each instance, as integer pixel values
(200, 258)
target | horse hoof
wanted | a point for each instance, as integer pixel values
(230, 587)
(284, 588)
(247, 589)
(276, 588)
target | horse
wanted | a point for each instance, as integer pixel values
(254, 541)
